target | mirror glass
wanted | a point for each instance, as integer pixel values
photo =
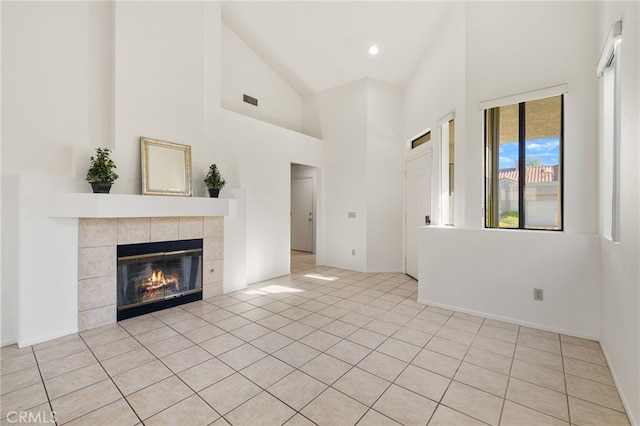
(166, 168)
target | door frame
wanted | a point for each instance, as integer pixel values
(411, 155)
(318, 207)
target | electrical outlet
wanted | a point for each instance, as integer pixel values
(353, 252)
(538, 294)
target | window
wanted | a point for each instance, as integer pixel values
(424, 138)
(523, 165)
(447, 145)
(609, 70)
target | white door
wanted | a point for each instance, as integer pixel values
(417, 206)
(302, 214)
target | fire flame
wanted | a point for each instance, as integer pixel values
(157, 280)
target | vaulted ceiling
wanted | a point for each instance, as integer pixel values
(318, 45)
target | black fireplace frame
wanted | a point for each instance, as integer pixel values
(171, 301)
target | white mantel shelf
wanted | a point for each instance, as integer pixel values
(84, 205)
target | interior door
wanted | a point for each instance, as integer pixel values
(302, 214)
(417, 206)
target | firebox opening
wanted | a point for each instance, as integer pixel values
(159, 275)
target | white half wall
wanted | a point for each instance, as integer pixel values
(501, 269)
(235, 242)
(40, 272)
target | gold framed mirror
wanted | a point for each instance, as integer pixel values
(166, 168)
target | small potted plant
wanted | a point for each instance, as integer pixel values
(100, 173)
(214, 181)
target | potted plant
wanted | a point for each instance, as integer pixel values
(100, 173)
(214, 181)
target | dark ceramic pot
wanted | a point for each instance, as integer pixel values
(101, 187)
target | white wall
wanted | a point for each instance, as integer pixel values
(159, 81)
(499, 274)
(530, 58)
(244, 72)
(495, 66)
(257, 156)
(435, 89)
(361, 125)
(42, 302)
(620, 294)
(10, 289)
(592, 286)
(104, 74)
(56, 100)
(384, 177)
(343, 120)
(56, 107)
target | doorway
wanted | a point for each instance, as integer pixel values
(417, 207)
(303, 217)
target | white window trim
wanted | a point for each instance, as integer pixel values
(444, 170)
(447, 118)
(608, 50)
(419, 135)
(548, 92)
(609, 70)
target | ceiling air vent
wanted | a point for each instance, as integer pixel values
(248, 99)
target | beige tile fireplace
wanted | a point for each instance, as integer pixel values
(98, 239)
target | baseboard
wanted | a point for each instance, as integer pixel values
(369, 271)
(623, 398)
(346, 268)
(511, 320)
(36, 340)
(8, 342)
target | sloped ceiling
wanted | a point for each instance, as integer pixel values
(318, 45)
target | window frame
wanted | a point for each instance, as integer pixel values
(609, 70)
(421, 139)
(489, 214)
(446, 184)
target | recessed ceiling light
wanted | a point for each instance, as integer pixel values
(373, 50)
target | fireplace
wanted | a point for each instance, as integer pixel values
(159, 275)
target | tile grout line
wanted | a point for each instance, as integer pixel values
(506, 390)
(174, 374)
(322, 352)
(564, 376)
(357, 285)
(46, 392)
(110, 377)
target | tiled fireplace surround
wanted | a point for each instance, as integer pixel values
(97, 242)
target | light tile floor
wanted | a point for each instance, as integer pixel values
(323, 346)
